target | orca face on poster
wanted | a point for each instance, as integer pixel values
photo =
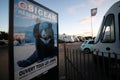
(35, 34)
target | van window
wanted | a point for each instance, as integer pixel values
(108, 32)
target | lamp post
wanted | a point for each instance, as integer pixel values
(91, 27)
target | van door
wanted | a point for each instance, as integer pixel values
(107, 36)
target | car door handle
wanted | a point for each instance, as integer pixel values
(107, 48)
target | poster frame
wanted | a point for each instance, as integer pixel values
(11, 33)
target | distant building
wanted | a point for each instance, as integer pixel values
(69, 38)
(66, 38)
(81, 38)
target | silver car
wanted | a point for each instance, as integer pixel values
(87, 46)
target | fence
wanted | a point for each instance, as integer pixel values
(80, 66)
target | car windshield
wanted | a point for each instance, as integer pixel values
(85, 42)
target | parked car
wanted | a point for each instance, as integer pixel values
(87, 46)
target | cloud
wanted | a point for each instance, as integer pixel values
(85, 20)
(73, 9)
(97, 2)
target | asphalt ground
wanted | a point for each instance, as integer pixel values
(4, 61)
(74, 45)
(84, 62)
(4, 70)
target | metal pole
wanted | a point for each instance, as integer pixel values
(66, 77)
(91, 27)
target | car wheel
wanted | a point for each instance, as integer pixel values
(87, 51)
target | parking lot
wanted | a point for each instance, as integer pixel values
(75, 45)
(76, 65)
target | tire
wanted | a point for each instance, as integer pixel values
(87, 51)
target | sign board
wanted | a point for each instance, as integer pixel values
(33, 39)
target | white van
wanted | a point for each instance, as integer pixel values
(107, 42)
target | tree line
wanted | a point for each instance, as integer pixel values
(3, 35)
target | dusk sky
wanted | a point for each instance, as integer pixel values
(74, 15)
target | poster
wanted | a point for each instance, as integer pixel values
(35, 33)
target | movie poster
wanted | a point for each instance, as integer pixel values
(35, 39)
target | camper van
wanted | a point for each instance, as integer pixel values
(107, 41)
